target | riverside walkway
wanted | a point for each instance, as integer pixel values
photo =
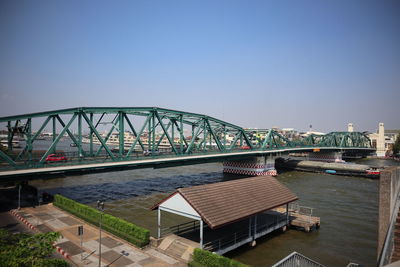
(114, 251)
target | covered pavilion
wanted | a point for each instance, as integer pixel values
(228, 214)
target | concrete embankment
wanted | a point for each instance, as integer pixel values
(326, 167)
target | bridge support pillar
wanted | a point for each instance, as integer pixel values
(325, 156)
(256, 166)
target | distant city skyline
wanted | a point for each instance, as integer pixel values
(256, 64)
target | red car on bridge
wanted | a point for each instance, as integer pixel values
(54, 157)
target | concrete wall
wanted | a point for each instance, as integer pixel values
(325, 156)
(389, 183)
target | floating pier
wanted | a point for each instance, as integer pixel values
(301, 217)
(306, 222)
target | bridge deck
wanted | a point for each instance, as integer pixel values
(153, 162)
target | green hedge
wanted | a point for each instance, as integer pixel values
(208, 259)
(195, 264)
(52, 263)
(126, 230)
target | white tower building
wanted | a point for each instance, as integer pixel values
(350, 127)
(380, 144)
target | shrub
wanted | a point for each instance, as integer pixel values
(126, 230)
(208, 259)
(23, 249)
(195, 264)
(52, 263)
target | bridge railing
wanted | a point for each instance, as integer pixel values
(74, 158)
(182, 228)
(297, 259)
(238, 237)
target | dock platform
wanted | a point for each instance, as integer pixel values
(301, 217)
(307, 223)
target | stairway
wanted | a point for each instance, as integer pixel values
(177, 247)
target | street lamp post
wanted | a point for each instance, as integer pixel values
(100, 207)
(19, 197)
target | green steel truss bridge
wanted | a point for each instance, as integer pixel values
(110, 138)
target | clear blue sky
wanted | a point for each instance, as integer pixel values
(252, 63)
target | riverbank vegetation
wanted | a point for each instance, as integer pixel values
(17, 250)
(396, 146)
(204, 258)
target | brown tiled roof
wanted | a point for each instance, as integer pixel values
(226, 202)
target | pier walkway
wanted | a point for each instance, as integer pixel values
(114, 251)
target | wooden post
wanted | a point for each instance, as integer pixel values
(249, 226)
(201, 233)
(255, 227)
(159, 223)
(287, 213)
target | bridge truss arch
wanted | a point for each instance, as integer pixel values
(99, 134)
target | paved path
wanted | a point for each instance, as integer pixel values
(114, 251)
(12, 224)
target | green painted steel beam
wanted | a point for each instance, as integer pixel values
(38, 114)
(91, 135)
(194, 136)
(181, 136)
(71, 135)
(237, 137)
(163, 135)
(98, 136)
(79, 141)
(105, 139)
(44, 124)
(217, 141)
(138, 137)
(133, 131)
(29, 138)
(53, 145)
(100, 110)
(170, 140)
(7, 159)
(121, 116)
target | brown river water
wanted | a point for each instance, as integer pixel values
(347, 206)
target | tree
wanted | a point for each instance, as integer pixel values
(396, 146)
(28, 250)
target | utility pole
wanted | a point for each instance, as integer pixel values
(100, 207)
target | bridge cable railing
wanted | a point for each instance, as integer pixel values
(239, 236)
